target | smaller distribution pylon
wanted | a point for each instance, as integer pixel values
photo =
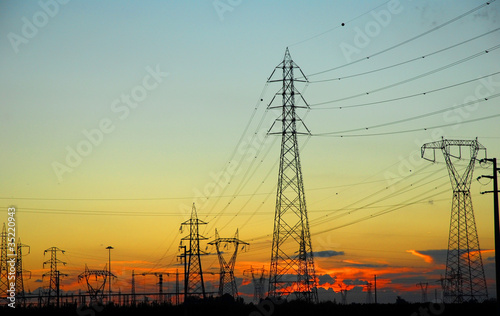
(258, 279)
(96, 281)
(227, 283)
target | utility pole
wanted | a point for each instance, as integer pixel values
(496, 223)
(176, 286)
(292, 269)
(109, 273)
(464, 279)
(375, 277)
(133, 288)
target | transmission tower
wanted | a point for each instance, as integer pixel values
(20, 294)
(193, 278)
(464, 279)
(343, 294)
(292, 263)
(4, 269)
(227, 284)
(423, 289)
(159, 275)
(96, 281)
(54, 274)
(258, 279)
(369, 296)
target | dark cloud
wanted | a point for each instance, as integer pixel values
(326, 278)
(328, 253)
(354, 282)
(364, 265)
(38, 280)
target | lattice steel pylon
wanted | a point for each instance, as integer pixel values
(193, 278)
(369, 295)
(423, 288)
(465, 279)
(227, 283)
(4, 269)
(54, 274)
(20, 294)
(258, 279)
(95, 288)
(292, 262)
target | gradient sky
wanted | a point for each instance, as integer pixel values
(182, 142)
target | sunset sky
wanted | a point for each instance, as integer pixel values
(117, 116)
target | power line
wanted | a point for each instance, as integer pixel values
(404, 97)
(408, 40)
(486, 51)
(407, 61)
(411, 130)
(417, 117)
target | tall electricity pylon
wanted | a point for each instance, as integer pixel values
(464, 280)
(193, 278)
(292, 262)
(258, 279)
(20, 294)
(4, 269)
(54, 274)
(227, 284)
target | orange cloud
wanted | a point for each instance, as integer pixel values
(426, 258)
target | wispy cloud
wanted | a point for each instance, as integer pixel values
(426, 258)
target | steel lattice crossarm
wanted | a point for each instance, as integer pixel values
(446, 145)
(465, 279)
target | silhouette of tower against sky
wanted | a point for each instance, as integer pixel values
(193, 279)
(292, 268)
(4, 281)
(464, 280)
(54, 275)
(227, 283)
